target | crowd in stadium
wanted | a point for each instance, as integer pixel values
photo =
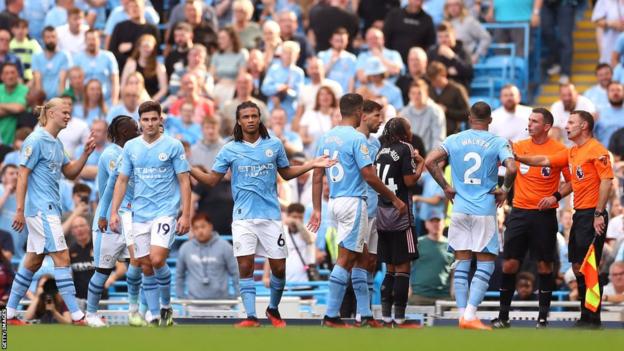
(202, 58)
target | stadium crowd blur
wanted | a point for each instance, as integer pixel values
(201, 58)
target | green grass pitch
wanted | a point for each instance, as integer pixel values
(187, 337)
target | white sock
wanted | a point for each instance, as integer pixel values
(76, 316)
(470, 313)
(399, 321)
(461, 311)
(133, 308)
(89, 314)
(387, 319)
(358, 317)
(148, 316)
(11, 312)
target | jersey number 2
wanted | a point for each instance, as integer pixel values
(468, 179)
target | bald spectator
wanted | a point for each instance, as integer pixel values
(610, 117)
(244, 88)
(271, 44)
(451, 96)
(426, 117)
(451, 52)
(391, 59)
(249, 31)
(326, 18)
(407, 27)
(598, 92)
(569, 100)
(72, 35)
(416, 69)
(189, 92)
(510, 121)
(287, 21)
(129, 105)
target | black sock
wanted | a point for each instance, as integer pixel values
(401, 290)
(546, 286)
(580, 282)
(386, 295)
(507, 289)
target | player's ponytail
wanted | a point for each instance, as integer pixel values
(42, 110)
(114, 128)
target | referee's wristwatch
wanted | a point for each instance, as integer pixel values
(600, 213)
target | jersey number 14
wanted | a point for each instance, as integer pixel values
(383, 175)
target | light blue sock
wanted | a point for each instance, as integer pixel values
(277, 288)
(20, 286)
(150, 288)
(480, 282)
(96, 287)
(133, 279)
(65, 286)
(370, 278)
(338, 280)
(163, 277)
(460, 283)
(359, 280)
(248, 295)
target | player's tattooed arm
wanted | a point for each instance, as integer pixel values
(208, 178)
(433, 166)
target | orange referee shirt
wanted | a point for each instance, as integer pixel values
(534, 183)
(589, 164)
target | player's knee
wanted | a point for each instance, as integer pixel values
(157, 260)
(511, 266)
(279, 272)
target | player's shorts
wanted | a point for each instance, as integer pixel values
(159, 232)
(351, 218)
(262, 237)
(396, 247)
(373, 235)
(581, 235)
(532, 230)
(45, 234)
(126, 226)
(108, 248)
(473, 233)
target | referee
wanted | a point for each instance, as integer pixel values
(592, 173)
(532, 223)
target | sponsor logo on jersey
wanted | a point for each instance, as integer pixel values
(183, 157)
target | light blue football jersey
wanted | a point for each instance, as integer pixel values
(371, 195)
(474, 156)
(154, 168)
(44, 155)
(350, 148)
(108, 170)
(254, 176)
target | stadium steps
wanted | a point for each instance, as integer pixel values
(583, 63)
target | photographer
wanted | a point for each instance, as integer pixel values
(48, 306)
(80, 198)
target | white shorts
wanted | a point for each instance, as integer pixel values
(351, 218)
(473, 233)
(373, 236)
(126, 226)
(108, 248)
(159, 232)
(45, 234)
(262, 237)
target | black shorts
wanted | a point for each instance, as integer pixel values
(582, 234)
(532, 230)
(396, 247)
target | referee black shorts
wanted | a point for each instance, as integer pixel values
(532, 230)
(397, 247)
(582, 234)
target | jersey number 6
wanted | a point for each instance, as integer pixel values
(336, 172)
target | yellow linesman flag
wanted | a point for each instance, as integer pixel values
(589, 268)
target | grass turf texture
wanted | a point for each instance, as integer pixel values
(187, 337)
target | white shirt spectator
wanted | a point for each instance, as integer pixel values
(316, 124)
(511, 125)
(69, 42)
(307, 95)
(609, 10)
(615, 230)
(561, 116)
(76, 134)
(295, 269)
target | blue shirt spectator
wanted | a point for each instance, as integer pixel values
(119, 14)
(35, 12)
(50, 66)
(100, 65)
(183, 128)
(283, 81)
(340, 65)
(432, 199)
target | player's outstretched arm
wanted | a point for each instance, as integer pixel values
(72, 169)
(20, 193)
(291, 172)
(208, 178)
(120, 191)
(184, 222)
(536, 161)
(369, 175)
(317, 192)
(433, 166)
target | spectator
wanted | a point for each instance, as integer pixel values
(196, 59)
(614, 291)
(318, 121)
(505, 11)
(72, 35)
(607, 15)
(426, 117)
(407, 27)
(256, 66)
(288, 30)
(8, 205)
(136, 81)
(94, 107)
(99, 130)
(12, 102)
(183, 128)
(75, 134)
(81, 256)
(10, 15)
(190, 92)
(57, 15)
(557, 25)
(300, 187)
(569, 100)
(144, 61)
(615, 230)
(291, 140)
(5, 55)
(249, 32)
(468, 30)
(284, 80)
(300, 244)
(451, 96)
(50, 66)
(226, 64)
(129, 32)
(610, 118)
(100, 65)
(75, 89)
(271, 44)
(525, 287)
(244, 88)
(416, 69)
(391, 59)
(204, 153)
(598, 93)
(205, 264)
(340, 65)
(81, 194)
(178, 14)
(373, 12)
(327, 18)
(6, 278)
(453, 55)
(47, 306)
(204, 31)
(13, 157)
(177, 57)
(510, 121)
(375, 72)
(129, 106)
(122, 13)
(430, 273)
(28, 118)
(23, 47)
(431, 201)
(269, 12)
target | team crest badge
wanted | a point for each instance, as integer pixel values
(268, 153)
(183, 157)
(111, 165)
(162, 156)
(108, 258)
(364, 149)
(237, 246)
(579, 173)
(28, 151)
(546, 171)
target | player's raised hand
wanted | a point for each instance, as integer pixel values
(18, 221)
(114, 222)
(183, 226)
(450, 192)
(315, 221)
(399, 205)
(89, 145)
(324, 162)
(546, 203)
(102, 224)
